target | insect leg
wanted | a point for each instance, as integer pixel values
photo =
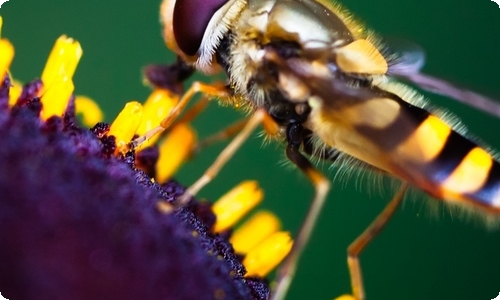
(270, 126)
(194, 111)
(258, 117)
(322, 186)
(362, 241)
(222, 135)
(196, 87)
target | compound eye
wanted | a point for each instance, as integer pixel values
(190, 21)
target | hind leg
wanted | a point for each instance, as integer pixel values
(359, 244)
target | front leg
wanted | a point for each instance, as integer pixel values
(260, 116)
(295, 136)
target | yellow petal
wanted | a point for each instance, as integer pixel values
(56, 97)
(89, 110)
(6, 56)
(159, 103)
(7, 53)
(255, 230)
(16, 88)
(265, 257)
(62, 61)
(236, 203)
(345, 297)
(57, 76)
(174, 150)
(126, 124)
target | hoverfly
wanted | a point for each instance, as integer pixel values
(325, 87)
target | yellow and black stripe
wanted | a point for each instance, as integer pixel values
(428, 153)
(376, 125)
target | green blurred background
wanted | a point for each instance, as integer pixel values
(417, 256)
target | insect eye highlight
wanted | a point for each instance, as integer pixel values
(190, 20)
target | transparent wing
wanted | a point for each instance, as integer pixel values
(405, 57)
(445, 88)
(407, 60)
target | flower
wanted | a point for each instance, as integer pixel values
(79, 220)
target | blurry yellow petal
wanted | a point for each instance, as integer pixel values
(265, 257)
(6, 53)
(235, 204)
(62, 61)
(56, 97)
(89, 110)
(126, 124)
(254, 231)
(6, 56)
(16, 88)
(345, 297)
(174, 150)
(156, 107)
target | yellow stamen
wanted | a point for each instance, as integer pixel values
(174, 150)
(156, 107)
(89, 110)
(236, 203)
(57, 76)
(16, 88)
(126, 124)
(62, 60)
(56, 97)
(345, 297)
(265, 257)
(6, 56)
(254, 231)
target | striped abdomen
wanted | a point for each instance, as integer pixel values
(377, 126)
(450, 166)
